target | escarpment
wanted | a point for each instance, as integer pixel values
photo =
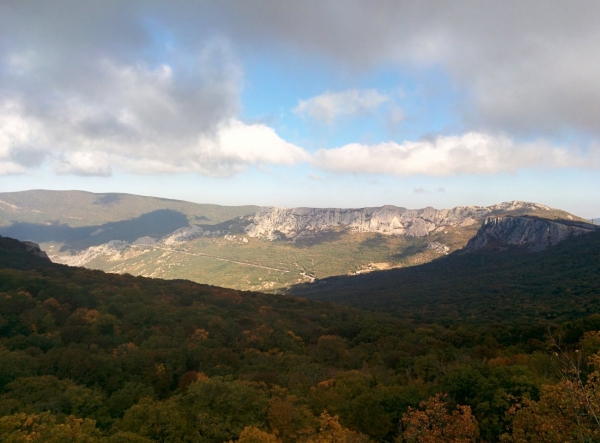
(532, 233)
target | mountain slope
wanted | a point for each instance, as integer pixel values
(107, 358)
(276, 247)
(487, 285)
(79, 208)
(532, 233)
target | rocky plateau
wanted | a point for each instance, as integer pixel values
(298, 223)
(294, 224)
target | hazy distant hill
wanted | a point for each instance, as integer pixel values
(244, 247)
(79, 208)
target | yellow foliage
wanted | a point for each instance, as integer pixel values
(434, 424)
(23, 428)
(251, 434)
(333, 432)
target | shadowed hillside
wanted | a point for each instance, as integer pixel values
(154, 224)
(487, 285)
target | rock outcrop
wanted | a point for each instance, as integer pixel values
(438, 247)
(114, 249)
(297, 223)
(34, 249)
(532, 233)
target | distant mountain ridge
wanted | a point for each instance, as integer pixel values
(296, 223)
(81, 208)
(244, 247)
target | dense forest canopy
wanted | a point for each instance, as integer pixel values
(88, 356)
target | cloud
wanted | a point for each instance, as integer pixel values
(420, 191)
(118, 143)
(471, 153)
(330, 105)
(147, 85)
(528, 67)
(84, 164)
(137, 117)
(9, 168)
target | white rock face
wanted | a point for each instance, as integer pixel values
(296, 223)
(183, 234)
(114, 249)
(438, 247)
(534, 234)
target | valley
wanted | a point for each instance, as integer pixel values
(113, 358)
(299, 222)
(344, 319)
(248, 247)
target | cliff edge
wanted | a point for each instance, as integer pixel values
(532, 233)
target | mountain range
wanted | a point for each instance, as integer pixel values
(117, 358)
(264, 248)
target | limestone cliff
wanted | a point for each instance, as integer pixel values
(296, 223)
(532, 233)
(34, 249)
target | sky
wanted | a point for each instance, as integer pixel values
(321, 103)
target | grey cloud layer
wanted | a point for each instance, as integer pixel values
(526, 66)
(83, 87)
(88, 86)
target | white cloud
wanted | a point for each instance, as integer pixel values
(471, 153)
(8, 168)
(137, 118)
(226, 150)
(330, 105)
(148, 85)
(255, 144)
(83, 163)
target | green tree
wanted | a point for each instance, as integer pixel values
(45, 428)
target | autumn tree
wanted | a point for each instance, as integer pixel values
(45, 428)
(566, 411)
(250, 434)
(433, 423)
(289, 419)
(332, 431)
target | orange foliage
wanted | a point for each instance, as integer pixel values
(434, 424)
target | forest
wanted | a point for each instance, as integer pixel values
(92, 357)
(494, 285)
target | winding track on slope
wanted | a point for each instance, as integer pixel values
(201, 254)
